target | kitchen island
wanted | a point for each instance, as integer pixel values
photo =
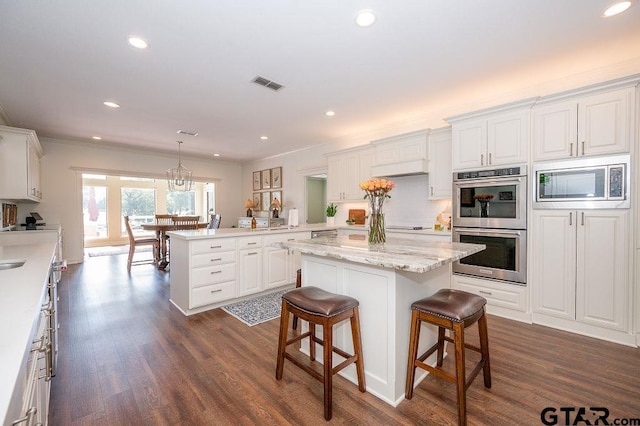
(386, 280)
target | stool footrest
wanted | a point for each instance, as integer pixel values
(313, 373)
(466, 345)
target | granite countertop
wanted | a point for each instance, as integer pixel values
(197, 234)
(21, 292)
(396, 253)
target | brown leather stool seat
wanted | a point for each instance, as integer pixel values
(326, 309)
(454, 310)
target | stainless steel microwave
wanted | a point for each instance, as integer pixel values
(587, 183)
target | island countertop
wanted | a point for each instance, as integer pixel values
(396, 253)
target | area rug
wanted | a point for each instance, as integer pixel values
(257, 310)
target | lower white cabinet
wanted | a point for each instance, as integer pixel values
(503, 299)
(280, 265)
(579, 270)
(250, 271)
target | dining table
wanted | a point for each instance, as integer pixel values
(161, 230)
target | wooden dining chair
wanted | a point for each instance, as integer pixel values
(186, 222)
(139, 242)
(164, 219)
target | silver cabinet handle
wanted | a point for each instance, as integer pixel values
(582, 147)
(489, 158)
(217, 259)
(215, 247)
(571, 149)
(291, 239)
(252, 244)
(252, 253)
(570, 218)
(216, 291)
(582, 219)
(482, 159)
(485, 292)
(215, 272)
(432, 190)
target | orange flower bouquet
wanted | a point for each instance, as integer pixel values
(377, 190)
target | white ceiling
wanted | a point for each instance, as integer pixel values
(59, 60)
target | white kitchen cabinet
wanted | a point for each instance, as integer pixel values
(345, 170)
(250, 271)
(20, 154)
(579, 270)
(598, 124)
(503, 299)
(280, 265)
(440, 178)
(491, 139)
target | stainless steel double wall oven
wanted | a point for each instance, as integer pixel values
(490, 208)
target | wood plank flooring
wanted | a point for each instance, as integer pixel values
(128, 357)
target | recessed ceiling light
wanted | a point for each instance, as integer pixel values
(111, 104)
(365, 18)
(264, 138)
(138, 42)
(98, 138)
(216, 155)
(330, 113)
(616, 8)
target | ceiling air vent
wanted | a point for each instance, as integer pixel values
(184, 132)
(267, 83)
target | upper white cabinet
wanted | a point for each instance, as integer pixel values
(402, 148)
(440, 177)
(492, 137)
(345, 170)
(595, 124)
(20, 154)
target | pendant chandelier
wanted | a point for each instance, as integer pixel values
(179, 178)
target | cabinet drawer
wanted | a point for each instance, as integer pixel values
(209, 294)
(216, 258)
(213, 245)
(249, 242)
(213, 274)
(497, 294)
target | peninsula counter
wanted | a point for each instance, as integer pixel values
(386, 280)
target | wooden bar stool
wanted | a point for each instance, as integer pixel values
(298, 285)
(320, 307)
(454, 310)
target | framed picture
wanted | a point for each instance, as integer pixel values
(276, 178)
(256, 201)
(278, 196)
(265, 201)
(266, 179)
(505, 195)
(257, 181)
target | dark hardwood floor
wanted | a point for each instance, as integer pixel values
(128, 357)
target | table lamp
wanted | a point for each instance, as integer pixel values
(249, 204)
(275, 206)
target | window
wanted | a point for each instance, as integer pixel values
(140, 205)
(181, 203)
(94, 211)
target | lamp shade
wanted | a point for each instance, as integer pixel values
(248, 204)
(275, 204)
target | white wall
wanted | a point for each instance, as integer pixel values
(62, 189)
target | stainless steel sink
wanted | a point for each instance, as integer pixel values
(11, 264)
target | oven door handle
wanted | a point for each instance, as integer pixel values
(502, 181)
(492, 231)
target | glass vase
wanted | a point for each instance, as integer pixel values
(376, 229)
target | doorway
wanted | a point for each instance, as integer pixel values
(316, 197)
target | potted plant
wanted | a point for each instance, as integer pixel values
(332, 209)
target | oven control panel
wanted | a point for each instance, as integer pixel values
(478, 174)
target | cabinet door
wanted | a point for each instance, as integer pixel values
(33, 172)
(351, 173)
(335, 177)
(555, 131)
(508, 138)
(440, 177)
(603, 123)
(276, 267)
(602, 271)
(250, 271)
(553, 272)
(469, 144)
